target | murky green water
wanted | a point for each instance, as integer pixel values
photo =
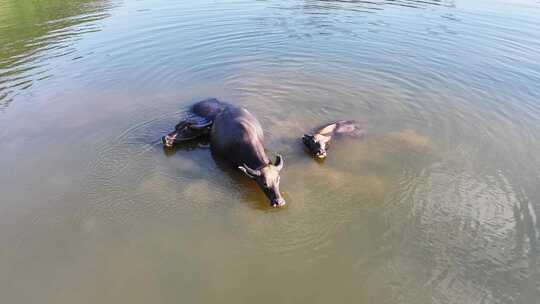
(439, 203)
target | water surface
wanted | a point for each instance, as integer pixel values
(438, 204)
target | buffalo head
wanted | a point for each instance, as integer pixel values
(317, 144)
(186, 130)
(267, 178)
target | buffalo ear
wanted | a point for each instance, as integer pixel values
(279, 162)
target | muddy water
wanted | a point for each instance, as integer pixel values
(438, 204)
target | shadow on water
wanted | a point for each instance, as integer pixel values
(247, 189)
(34, 32)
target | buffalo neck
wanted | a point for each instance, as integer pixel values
(257, 157)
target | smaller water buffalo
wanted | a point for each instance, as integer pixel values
(197, 124)
(237, 137)
(318, 141)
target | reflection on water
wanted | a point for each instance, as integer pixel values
(323, 7)
(34, 33)
(439, 203)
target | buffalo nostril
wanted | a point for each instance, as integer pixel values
(278, 203)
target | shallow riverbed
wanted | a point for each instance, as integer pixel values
(438, 204)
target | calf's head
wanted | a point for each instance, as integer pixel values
(267, 179)
(185, 130)
(317, 144)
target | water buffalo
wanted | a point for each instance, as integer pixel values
(237, 137)
(318, 141)
(198, 123)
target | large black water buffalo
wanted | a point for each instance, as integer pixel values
(236, 136)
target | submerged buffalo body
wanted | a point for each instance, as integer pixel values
(236, 136)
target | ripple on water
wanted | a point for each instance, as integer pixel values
(48, 33)
(132, 170)
(449, 92)
(462, 221)
(321, 202)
